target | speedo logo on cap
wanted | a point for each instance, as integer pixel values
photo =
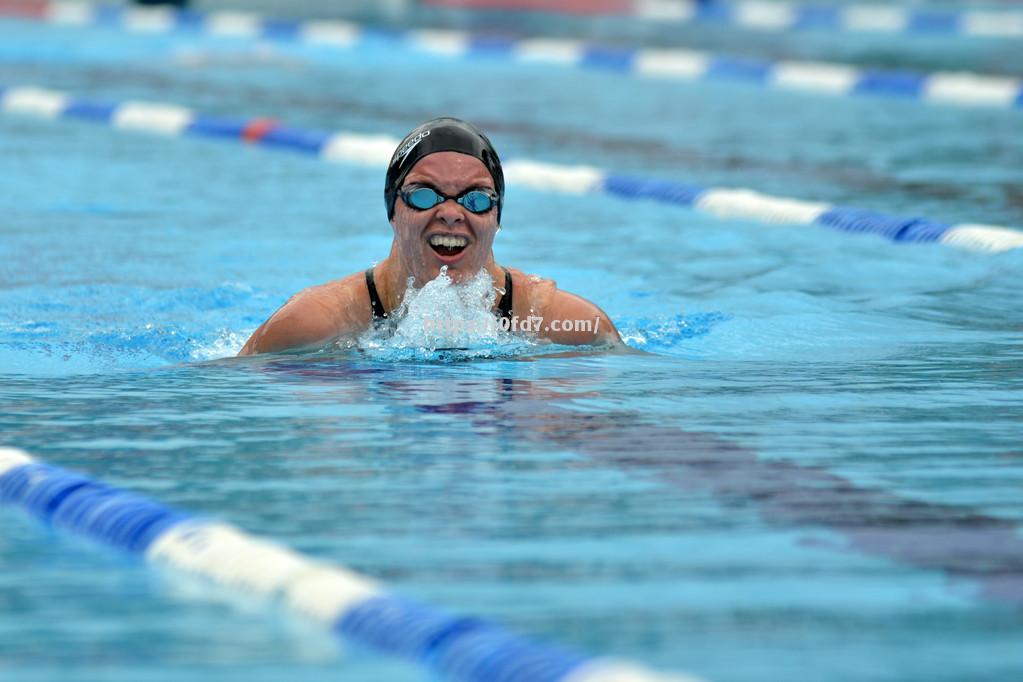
(410, 145)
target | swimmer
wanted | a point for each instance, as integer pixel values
(444, 194)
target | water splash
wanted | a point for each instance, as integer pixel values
(447, 322)
(664, 335)
(225, 344)
(97, 328)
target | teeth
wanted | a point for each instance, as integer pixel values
(450, 242)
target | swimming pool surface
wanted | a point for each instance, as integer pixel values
(814, 471)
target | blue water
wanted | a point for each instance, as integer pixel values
(814, 471)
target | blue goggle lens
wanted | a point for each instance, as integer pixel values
(425, 198)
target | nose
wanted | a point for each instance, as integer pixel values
(450, 212)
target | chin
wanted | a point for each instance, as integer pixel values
(461, 272)
(457, 274)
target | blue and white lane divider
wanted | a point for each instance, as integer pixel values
(939, 88)
(782, 16)
(376, 150)
(456, 647)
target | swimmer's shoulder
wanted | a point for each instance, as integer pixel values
(536, 296)
(530, 293)
(315, 316)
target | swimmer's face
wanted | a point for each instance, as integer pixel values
(417, 233)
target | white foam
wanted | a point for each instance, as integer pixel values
(227, 344)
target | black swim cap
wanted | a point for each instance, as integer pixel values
(441, 135)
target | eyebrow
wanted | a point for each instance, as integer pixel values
(436, 189)
(478, 180)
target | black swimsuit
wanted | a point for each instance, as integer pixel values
(504, 310)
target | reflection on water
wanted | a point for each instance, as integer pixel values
(954, 539)
(482, 484)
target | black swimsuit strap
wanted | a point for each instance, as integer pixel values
(505, 309)
(374, 298)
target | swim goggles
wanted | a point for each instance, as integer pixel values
(425, 198)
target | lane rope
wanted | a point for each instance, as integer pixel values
(779, 16)
(376, 150)
(352, 605)
(951, 88)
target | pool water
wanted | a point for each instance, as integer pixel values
(812, 471)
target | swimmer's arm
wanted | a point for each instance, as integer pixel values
(573, 321)
(310, 319)
(300, 323)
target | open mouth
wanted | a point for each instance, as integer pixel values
(447, 245)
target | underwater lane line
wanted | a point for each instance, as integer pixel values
(375, 151)
(939, 88)
(455, 647)
(960, 542)
(778, 16)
